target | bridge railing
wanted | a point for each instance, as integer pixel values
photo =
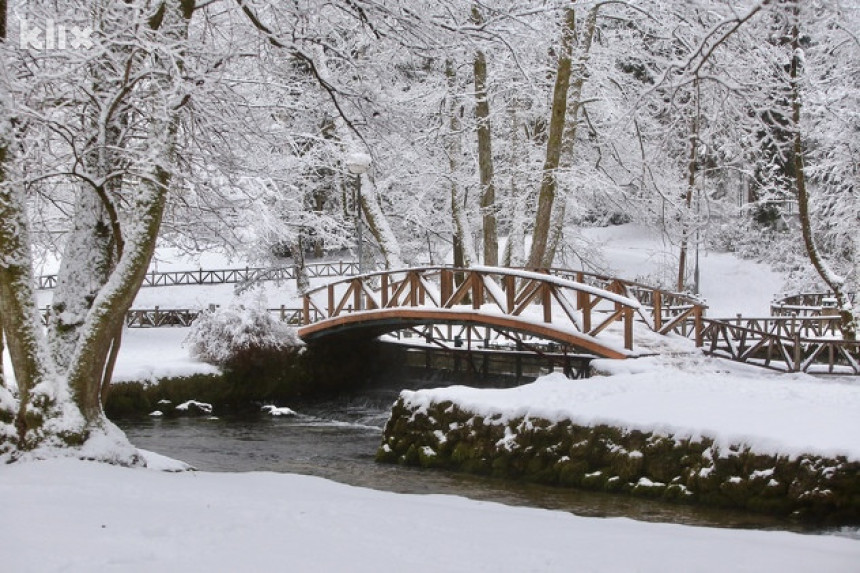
(806, 304)
(795, 344)
(509, 292)
(663, 311)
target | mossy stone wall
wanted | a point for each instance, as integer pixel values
(809, 488)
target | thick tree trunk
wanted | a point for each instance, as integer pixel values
(578, 75)
(86, 264)
(485, 155)
(38, 391)
(549, 182)
(834, 282)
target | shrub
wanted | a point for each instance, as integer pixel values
(220, 336)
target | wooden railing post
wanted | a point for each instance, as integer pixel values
(698, 325)
(798, 352)
(586, 312)
(628, 328)
(384, 288)
(510, 293)
(356, 294)
(330, 300)
(306, 309)
(446, 286)
(546, 302)
(658, 310)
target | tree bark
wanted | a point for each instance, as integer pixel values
(578, 76)
(692, 168)
(848, 321)
(379, 227)
(85, 266)
(485, 154)
(20, 318)
(464, 249)
(514, 255)
(549, 182)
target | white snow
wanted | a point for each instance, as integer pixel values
(273, 410)
(690, 397)
(66, 515)
(98, 517)
(194, 404)
(729, 285)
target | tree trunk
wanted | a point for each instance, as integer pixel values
(549, 183)
(834, 282)
(21, 321)
(377, 222)
(514, 255)
(574, 98)
(297, 250)
(85, 266)
(692, 168)
(466, 256)
(485, 155)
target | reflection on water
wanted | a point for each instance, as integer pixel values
(337, 439)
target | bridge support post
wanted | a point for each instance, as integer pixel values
(698, 325)
(798, 352)
(384, 290)
(628, 328)
(658, 310)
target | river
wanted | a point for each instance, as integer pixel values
(337, 439)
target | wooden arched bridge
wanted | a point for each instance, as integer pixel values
(558, 306)
(515, 308)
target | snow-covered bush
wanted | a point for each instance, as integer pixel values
(223, 335)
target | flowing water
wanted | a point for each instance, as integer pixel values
(337, 439)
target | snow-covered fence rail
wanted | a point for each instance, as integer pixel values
(663, 311)
(807, 304)
(795, 344)
(231, 276)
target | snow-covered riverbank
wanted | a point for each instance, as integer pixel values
(66, 515)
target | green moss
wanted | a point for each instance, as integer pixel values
(615, 459)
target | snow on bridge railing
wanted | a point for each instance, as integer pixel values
(807, 304)
(813, 344)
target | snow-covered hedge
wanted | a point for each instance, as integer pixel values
(219, 336)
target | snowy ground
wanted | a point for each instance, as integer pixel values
(66, 515)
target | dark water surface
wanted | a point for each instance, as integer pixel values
(337, 439)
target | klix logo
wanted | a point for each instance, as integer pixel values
(53, 35)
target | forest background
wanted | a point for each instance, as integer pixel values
(465, 131)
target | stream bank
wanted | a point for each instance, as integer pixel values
(807, 488)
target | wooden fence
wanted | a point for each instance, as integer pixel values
(183, 317)
(231, 276)
(796, 344)
(806, 304)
